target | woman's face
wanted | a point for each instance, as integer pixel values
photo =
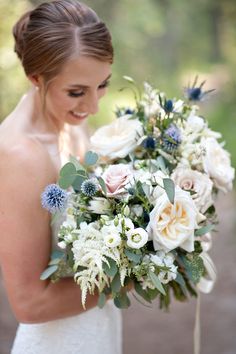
(74, 94)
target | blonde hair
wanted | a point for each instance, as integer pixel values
(55, 32)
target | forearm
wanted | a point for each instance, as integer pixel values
(56, 301)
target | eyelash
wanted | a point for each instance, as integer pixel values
(79, 94)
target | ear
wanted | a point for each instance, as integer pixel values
(36, 80)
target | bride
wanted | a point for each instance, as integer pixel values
(66, 53)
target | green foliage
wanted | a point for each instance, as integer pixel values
(111, 268)
(170, 189)
(155, 280)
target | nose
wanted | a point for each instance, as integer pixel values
(90, 103)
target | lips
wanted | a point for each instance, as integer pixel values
(79, 115)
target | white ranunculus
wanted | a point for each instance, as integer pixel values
(112, 238)
(99, 205)
(216, 164)
(195, 123)
(62, 244)
(137, 238)
(137, 210)
(118, 139)
(172, 225)
(117, 178)
(200, 183)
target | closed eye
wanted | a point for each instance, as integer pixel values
(82, 92)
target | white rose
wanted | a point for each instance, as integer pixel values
(117, 139)
(117, 178)
(137, 238)
(200, 183)
(216, 163)
(172, 225)
(99, 205)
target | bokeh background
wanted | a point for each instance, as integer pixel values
(167, 43)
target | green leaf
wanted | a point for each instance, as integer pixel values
(152, 293)
(115, 284)
(203, 230)
(139, 290)
(90, 158)
(101, 300)
(110, 269)
(67, 175)
(122, 301)
(133, 256)
(194, 267)
(156, 282)
(76, 163)
(170, 189)
(180, 280)
(68, 169)
(80, 178)
(161, 163)
(57, 254)
(48, 272)
(103, 185)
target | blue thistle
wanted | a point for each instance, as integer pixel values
(129, 111)
(149, 143)
(54, 198)
(171, 138)
(195, 93)
(120, 112)
(168, 106)
(89, 187)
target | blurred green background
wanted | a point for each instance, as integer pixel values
(165, 42)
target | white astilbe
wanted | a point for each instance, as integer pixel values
(90, 251)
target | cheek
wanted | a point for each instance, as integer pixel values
(101, 93)
(60, 101)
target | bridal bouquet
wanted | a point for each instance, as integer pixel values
(139, 210)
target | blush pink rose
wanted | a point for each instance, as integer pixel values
(116, 178)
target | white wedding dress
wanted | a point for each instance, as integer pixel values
(96, 331)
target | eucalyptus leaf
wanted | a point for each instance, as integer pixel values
(103, 185)
(76, 162)
(133, 256)
(110, 269)
(170, 189)
(161, 163)
(68, 169)
(90, 158)
(115, 284)
(122, 301)
(48, 272)
(155, 280)
(101, 300)
(141, 292)
(203, 230)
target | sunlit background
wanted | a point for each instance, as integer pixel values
(167, 43)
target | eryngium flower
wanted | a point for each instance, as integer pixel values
(89, 187)
(54, 198)
(168, 106)
(171, 138)
(195, 93)
(149, 143)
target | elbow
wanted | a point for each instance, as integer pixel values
(28, 313)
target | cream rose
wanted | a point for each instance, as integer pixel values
(200, 183)
(172, 225)
(216, 163)
(116, 178)
(118, 139)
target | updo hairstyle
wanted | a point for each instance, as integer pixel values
(55, 32)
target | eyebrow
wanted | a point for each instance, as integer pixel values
(85, 86)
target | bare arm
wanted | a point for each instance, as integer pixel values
(26, 239)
